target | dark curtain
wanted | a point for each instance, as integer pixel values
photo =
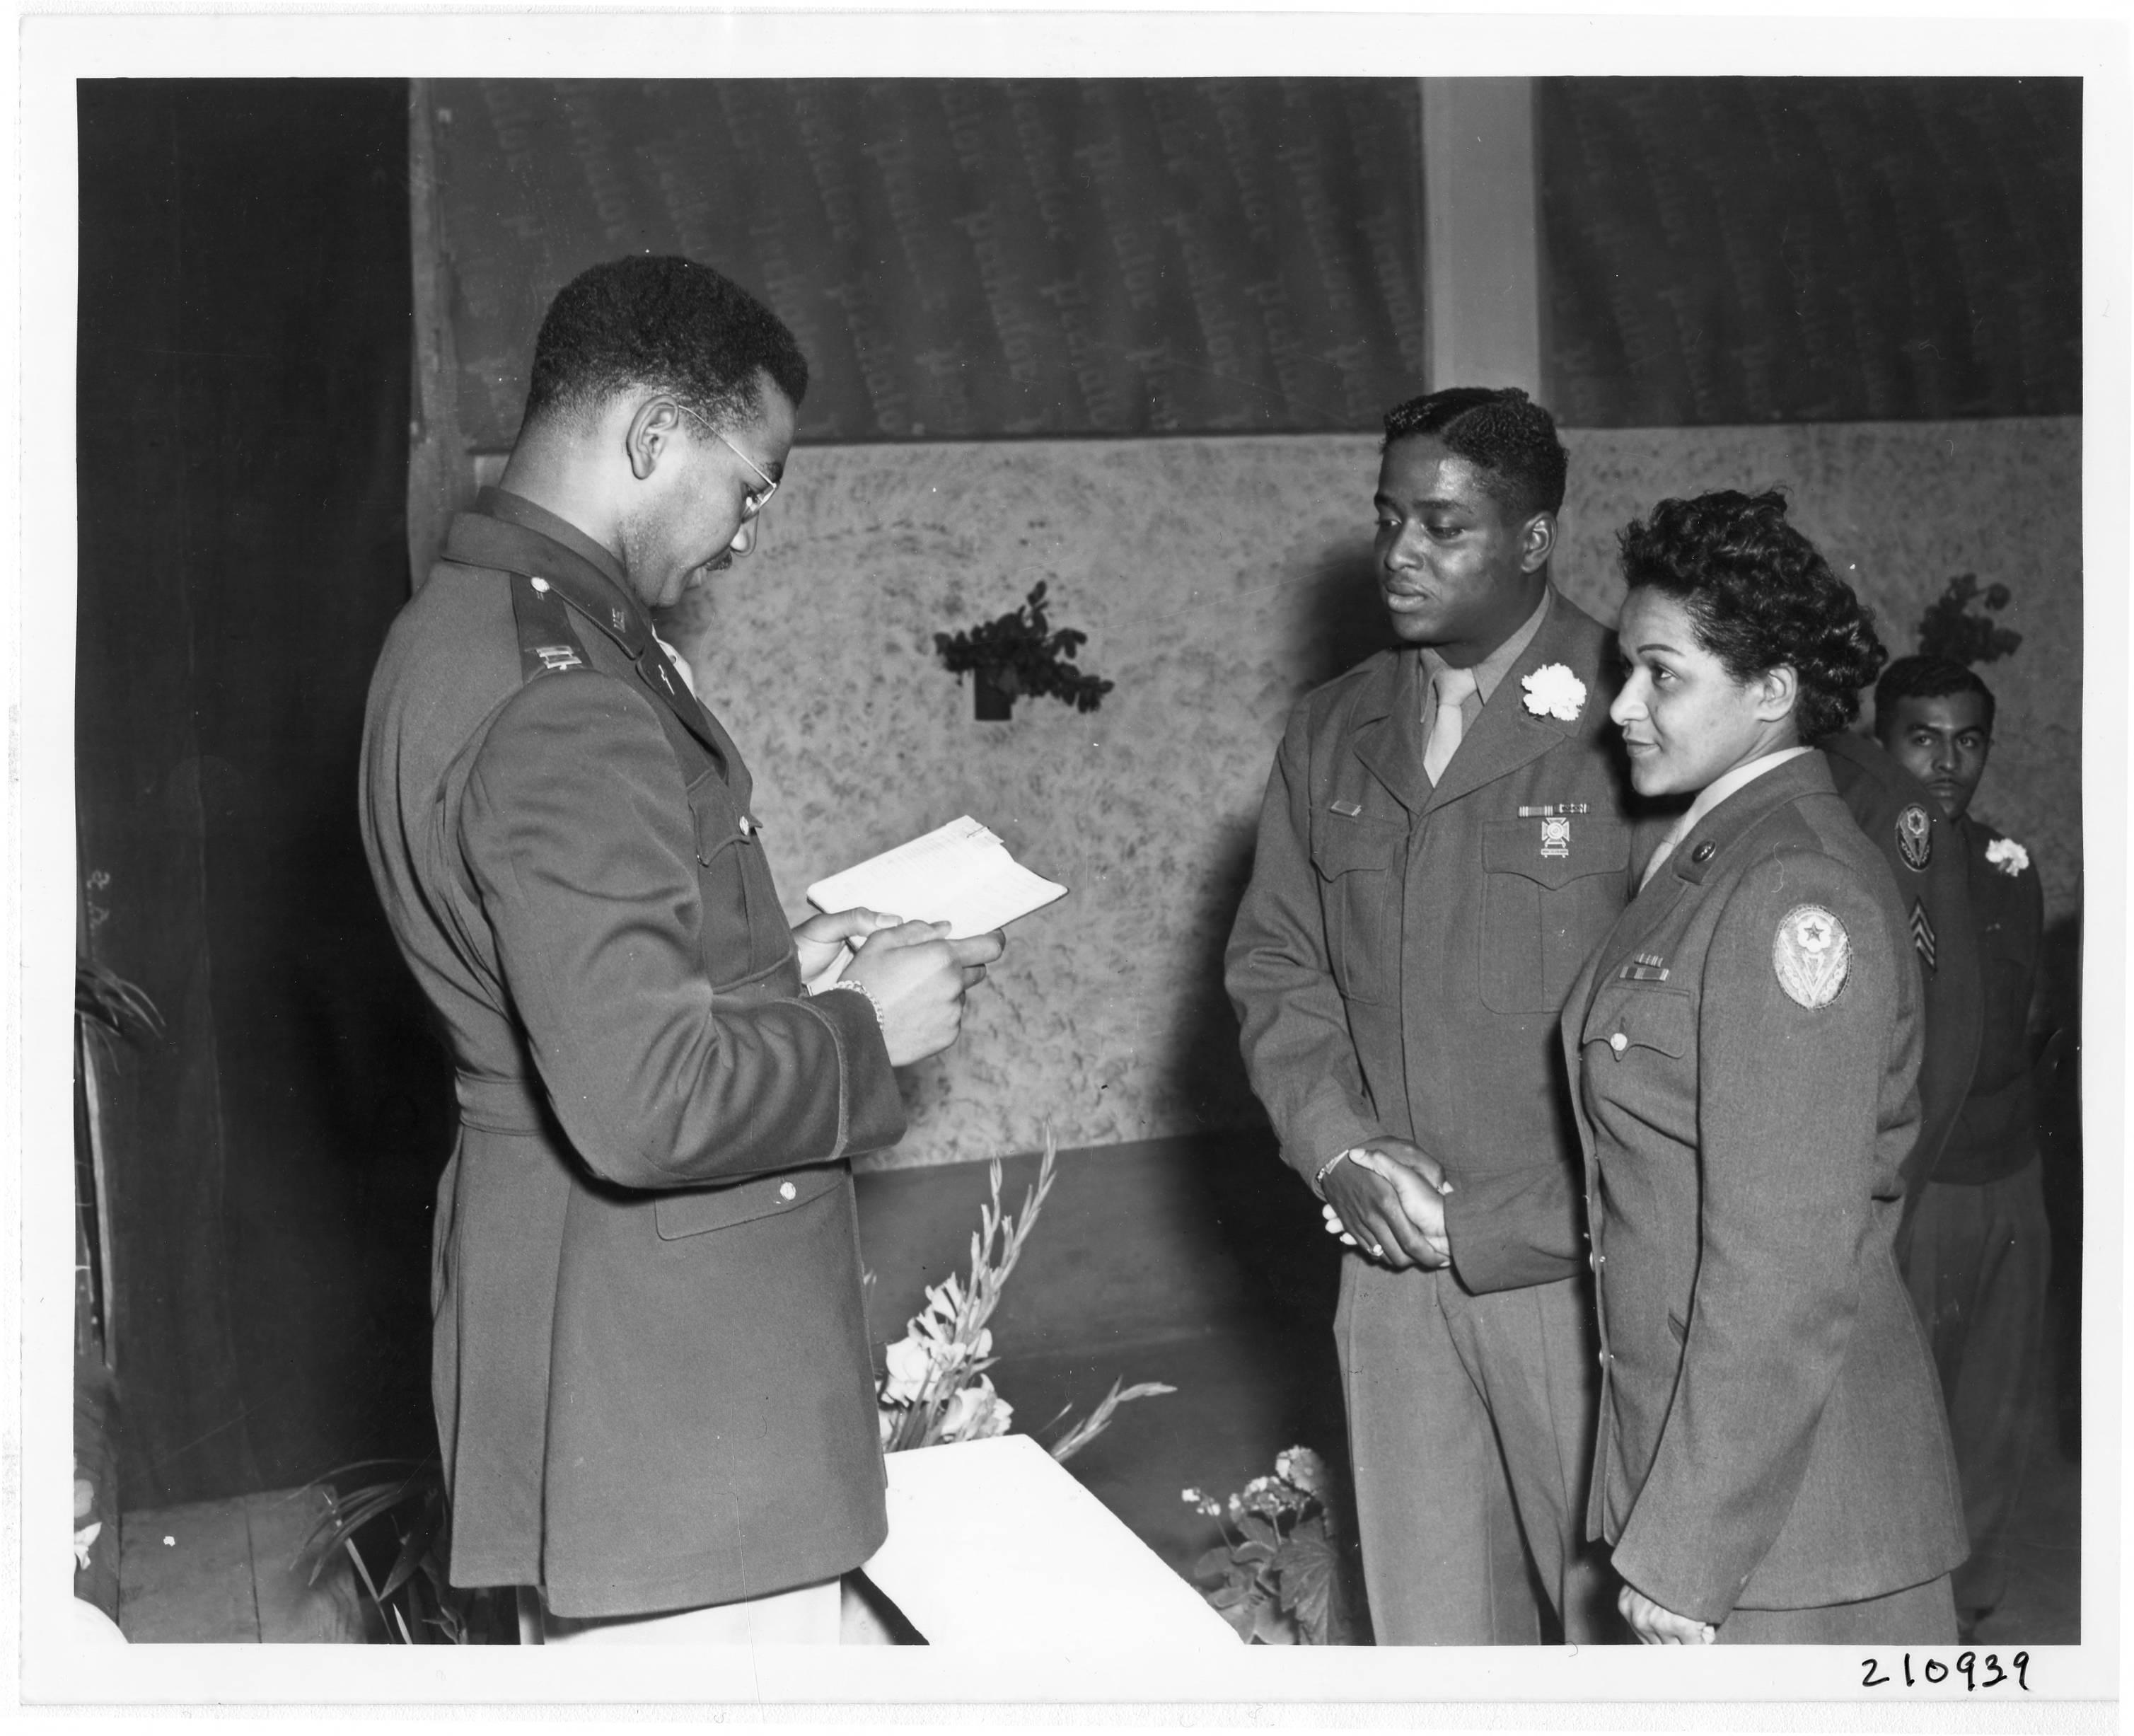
(244, 365)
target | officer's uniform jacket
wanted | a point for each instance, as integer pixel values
(1925, 862)
(1996, 1131)
(1401, 954)
(651, 1366)
(1771, 1433)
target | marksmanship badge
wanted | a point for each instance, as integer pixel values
(1556, 835)
(1811, 954)
(1915, 838)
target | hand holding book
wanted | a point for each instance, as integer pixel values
(959, 873)
(952, 892)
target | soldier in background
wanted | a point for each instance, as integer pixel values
(1902, 820)
(1981, 1250)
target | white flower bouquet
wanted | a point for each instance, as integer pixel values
(936, 1389)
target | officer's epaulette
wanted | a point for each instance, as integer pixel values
(548, 643)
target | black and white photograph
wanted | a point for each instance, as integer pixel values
(956, 857)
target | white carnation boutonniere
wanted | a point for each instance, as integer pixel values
(1553, 691)
(2008, 855)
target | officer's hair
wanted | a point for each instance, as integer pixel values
(666, 324)
(1760, 596)
(1509, 439)
(1926, 678)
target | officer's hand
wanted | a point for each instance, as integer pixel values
(1656, 1625)
(1371, 1210)
(918, 977)
(821, 941)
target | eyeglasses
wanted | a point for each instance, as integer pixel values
(757, 499)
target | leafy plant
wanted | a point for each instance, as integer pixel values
(1021, 653)
(1950, 628)
(1276, 1575)
(403, 1523)
(936, 1389)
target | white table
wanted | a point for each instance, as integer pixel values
(992, 1543)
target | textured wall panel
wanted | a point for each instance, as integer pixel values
(1217, 580)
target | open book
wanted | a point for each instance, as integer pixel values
(959, 873)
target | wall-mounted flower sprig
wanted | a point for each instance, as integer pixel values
(1021, 653)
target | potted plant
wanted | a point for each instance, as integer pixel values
(1021, 653)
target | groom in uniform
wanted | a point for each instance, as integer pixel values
(1443, 841)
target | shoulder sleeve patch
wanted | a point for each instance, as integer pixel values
(1811, 954)
(1915, 838)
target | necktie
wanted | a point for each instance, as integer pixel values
(1447, 726)
(681, 668)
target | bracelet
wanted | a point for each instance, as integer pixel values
(1326, 1168)
(881, 1023)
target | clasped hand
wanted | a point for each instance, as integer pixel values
(1656, 1625)
(1388, 1200)
(917, 975)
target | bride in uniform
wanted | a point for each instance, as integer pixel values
(1772, 1463)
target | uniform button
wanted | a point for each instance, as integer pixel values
(1703, 853)
(1619, 1042)
(786, 1190)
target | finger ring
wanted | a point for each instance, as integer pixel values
(1377, 1252)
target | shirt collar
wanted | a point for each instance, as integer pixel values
(1709, 797)
(1727, 783)
(1493, 669)
(514, 508)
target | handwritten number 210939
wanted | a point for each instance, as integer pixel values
(1971, 1666)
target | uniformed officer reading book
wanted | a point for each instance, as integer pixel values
(651, 1368)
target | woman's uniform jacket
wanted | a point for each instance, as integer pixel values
(653, 1382)
(1771, 1433)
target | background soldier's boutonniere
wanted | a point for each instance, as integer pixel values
(2008, 855)
(1553, 691)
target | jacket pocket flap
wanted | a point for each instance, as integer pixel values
(1341, 845)
(698, 1210)
(1643, 1017)
(1553, 853)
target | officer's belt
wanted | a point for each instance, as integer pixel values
(501, 1106)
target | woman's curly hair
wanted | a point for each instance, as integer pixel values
(1760, 596)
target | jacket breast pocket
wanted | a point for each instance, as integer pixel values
(1552, 888)
(1361, 863)
(1637, 1069)
(1625, 1018)
(698, 1210)
(743, 932)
